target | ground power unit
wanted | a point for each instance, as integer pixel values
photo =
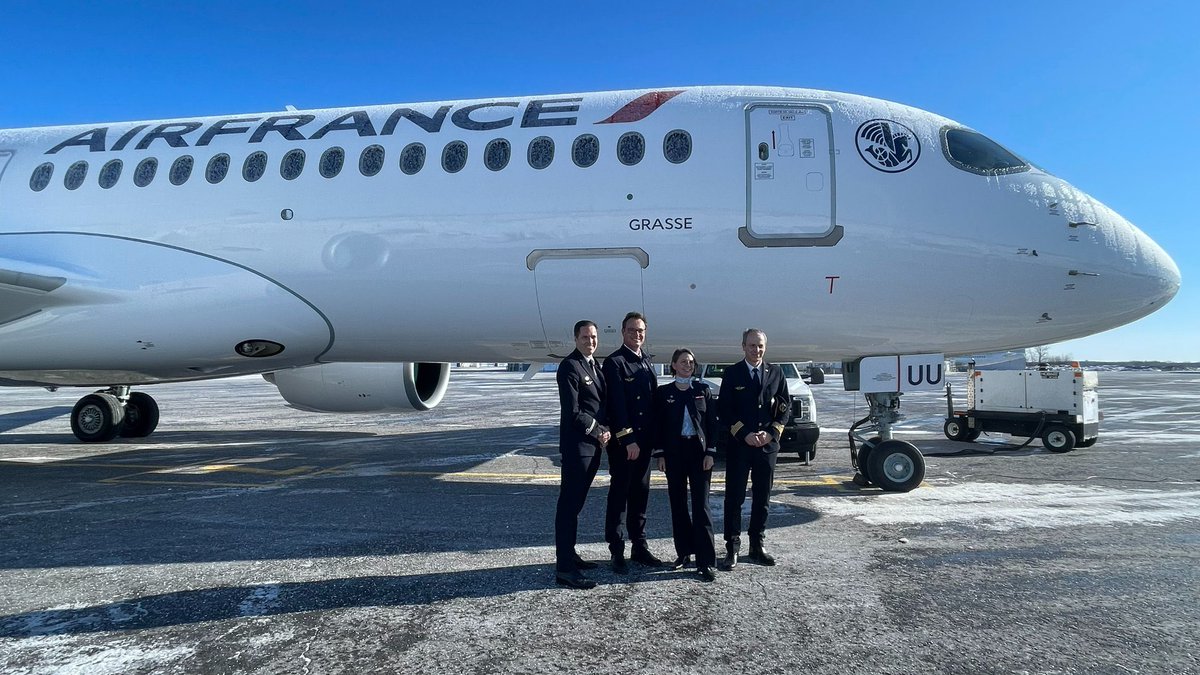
(1059, 406)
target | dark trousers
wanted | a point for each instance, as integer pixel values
(628, 496)
(759, 467)
(693, 532)
(577, 474)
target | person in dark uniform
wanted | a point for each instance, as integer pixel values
(753, 406)
(582, 432)
(685, 417)
(630, 381)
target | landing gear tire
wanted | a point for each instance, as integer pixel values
(956, 429)
(896, 466)
(1058, 439)
(97, 418)
(863, 477)
(141, 416)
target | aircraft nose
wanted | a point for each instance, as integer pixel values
(1144, 270)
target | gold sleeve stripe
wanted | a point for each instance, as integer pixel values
(778, 430)
(590, 427)
(735, 428)
(624, 432)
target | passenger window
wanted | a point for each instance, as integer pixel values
(412, 158)
(41, 177)
(585, 151)
(255, 166)
(144, 173)
(454, 156)
(331, 162)
(631, 147)
(496, 154)
(110, 173)
(677, 146)
(370, 162)
(217, 169)
(76, 174)
(181, 170)
(972, 151)
(541, 152)
(292, 164)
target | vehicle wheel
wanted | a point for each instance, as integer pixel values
(97, 418)
(896, 466)
(1088, 443)
(141, 416)
(864, 457)
(973, 435)
(808, 453)
(1058, 439)
(956, 429)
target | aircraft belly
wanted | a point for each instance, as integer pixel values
(130, 312)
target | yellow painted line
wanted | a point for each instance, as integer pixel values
(233, 468)
(195, 483)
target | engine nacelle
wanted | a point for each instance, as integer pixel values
(363, 387)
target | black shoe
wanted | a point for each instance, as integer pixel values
(618, 563)
(573, 580)
(705, 573)
(681, 561)
(645, 557)
(582, 564)
(729, 562)
(760, 556)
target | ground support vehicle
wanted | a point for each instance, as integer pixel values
(801, 433)
(1059, 406)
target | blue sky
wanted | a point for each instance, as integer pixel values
(1102, 94)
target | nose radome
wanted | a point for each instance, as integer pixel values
(1144, 264)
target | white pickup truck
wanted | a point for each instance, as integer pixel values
(801, 433)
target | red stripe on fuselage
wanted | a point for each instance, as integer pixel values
(641, 107)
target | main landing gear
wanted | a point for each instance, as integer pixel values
(889, 463)
(112, 412)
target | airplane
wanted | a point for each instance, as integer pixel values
(351, 254)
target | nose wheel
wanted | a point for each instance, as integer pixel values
(888, 463)
(104, 415)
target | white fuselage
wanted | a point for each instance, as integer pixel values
(811, 241)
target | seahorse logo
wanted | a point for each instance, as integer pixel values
(888, 146)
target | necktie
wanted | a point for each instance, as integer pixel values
(754, 376)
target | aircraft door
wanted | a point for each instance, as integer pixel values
(600, 284)
(790, 176)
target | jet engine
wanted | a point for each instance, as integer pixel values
(363, 387)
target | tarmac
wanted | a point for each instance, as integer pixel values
(247, 537)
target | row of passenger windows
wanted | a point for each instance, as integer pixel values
(585, 151)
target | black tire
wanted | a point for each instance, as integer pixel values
(97, 418)
(973, 435)
(141, 416)
(1058, 439)
(808, 453)
(864, 457)
(896, 466)
(1088, 443)
(956, 429)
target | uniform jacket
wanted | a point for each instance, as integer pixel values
(745, 408)
(581, 397)
(630, 383)
(671, 404)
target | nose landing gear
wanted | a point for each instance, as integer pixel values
(112, 412)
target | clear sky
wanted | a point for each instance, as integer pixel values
(1102, 94)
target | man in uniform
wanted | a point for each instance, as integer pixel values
(630, 382)
(753, 406)
(582, 432)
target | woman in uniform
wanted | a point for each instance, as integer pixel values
(685, 415)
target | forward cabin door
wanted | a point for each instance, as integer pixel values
(790, 176)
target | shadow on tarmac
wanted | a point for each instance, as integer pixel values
(16, 420)
(216, 604)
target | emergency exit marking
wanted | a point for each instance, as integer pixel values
(764, 171)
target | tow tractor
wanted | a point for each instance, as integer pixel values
(1059, 406)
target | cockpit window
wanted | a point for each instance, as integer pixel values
(974, 152)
